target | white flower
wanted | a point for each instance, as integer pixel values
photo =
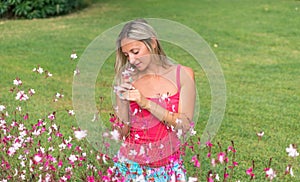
(55, 127)
(21, 96)
(11, 151)
(193, 132)
(19, 108)
(40, 70)
(36, 132)
(142, 150)
(179, 133)
(95, 118)
(291, 172)
(132, 152)
(31, 91)
(50, 149)
(58, 95)
(136, 136)
(71, 112)
(63, 178)
(173, 108)
(217, 177)
(73, 56)
(104, 159)
(292, 151)
(80, 134)
(288, 170)
(2, 107)
(192, 179)
(22, 163)
(135, 111)
(37, 158)
(72, 158)
(270, 173)
(164, 97)
(178, 121)
(17, 82)
(140, 178)
(115, 134)
(76, 71)
(62, 146)
(49, 74)
(260, 134)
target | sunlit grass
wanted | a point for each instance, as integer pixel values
(258, 49)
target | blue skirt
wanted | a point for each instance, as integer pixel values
(132, 171)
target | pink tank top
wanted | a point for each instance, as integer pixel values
(150, 142)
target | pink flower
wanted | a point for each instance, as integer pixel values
(51, 116)
(221, 157)
(231, 149)
(250, 172)
(90, 179)
(209, 144)
(195, 160)
(208, 155)
(26, 116)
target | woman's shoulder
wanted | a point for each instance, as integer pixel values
(188, 71)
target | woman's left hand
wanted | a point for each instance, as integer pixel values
(135, 95)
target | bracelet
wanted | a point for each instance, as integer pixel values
(146, 105)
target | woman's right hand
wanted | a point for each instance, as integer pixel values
(122, 89)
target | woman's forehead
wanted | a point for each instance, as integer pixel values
(127, 44)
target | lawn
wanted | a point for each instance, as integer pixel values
(256, 43)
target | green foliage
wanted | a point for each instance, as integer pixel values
(38, 8)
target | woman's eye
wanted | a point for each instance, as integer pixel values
(135, 52)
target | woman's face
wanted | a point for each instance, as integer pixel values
(137, 53)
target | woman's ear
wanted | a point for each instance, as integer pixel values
(153, 42)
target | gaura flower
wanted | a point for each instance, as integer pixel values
(292, 151)
(17, 82)
(73, 56)
(193, 179)
(21, 96)
(115, 135)
(2, 107)
(80, 134)
(270, 173)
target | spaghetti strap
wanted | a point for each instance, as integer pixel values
(178, 77)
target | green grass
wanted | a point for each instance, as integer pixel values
(258, 49)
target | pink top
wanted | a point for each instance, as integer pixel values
(150, 142)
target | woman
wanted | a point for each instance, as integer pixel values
(155, 102)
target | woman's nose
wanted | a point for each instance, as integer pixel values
(131, 59)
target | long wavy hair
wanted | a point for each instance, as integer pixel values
(139, 30)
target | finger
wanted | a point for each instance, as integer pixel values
(127, 86)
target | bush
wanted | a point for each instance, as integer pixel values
(38, 8)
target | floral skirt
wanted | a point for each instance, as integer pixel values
(132, 171)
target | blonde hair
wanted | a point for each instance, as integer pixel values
(138, 30)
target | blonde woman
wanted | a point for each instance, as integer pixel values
(155, 102)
